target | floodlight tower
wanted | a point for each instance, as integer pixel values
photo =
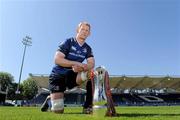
(26, 42)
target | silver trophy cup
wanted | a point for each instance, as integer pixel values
(99, 98)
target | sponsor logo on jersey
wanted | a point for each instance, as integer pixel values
(85, 50)
(77, 55)
(73, 48)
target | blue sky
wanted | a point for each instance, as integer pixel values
(131, 37)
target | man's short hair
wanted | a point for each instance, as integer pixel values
(85, 23)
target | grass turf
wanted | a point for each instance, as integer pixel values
(74, 113)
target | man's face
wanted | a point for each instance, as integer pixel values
(83, 31)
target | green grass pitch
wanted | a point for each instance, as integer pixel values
(74, 113)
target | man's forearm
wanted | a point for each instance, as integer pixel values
(90, 66)
(65, 63)
(60, 60)
(90, 63)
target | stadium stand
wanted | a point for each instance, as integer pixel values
(126, 90)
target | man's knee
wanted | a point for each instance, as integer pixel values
(57, 105)
(84, 76)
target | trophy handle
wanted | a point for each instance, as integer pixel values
(111, 111)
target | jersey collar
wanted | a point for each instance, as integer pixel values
(78, 42)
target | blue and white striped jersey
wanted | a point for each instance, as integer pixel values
(72, 51)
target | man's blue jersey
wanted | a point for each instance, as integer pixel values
(72, 51)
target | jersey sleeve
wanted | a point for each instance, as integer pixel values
(64, 47)
(89, 53)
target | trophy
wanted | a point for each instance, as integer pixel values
(102, 96)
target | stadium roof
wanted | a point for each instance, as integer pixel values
(129, 82)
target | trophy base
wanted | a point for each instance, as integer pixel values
(99, 106)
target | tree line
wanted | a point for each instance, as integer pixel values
(28, 88)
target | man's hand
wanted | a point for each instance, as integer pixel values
(77, 68)
(80, 68)
(85, 67)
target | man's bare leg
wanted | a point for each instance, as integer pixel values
(86, 77)
(57, 101)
